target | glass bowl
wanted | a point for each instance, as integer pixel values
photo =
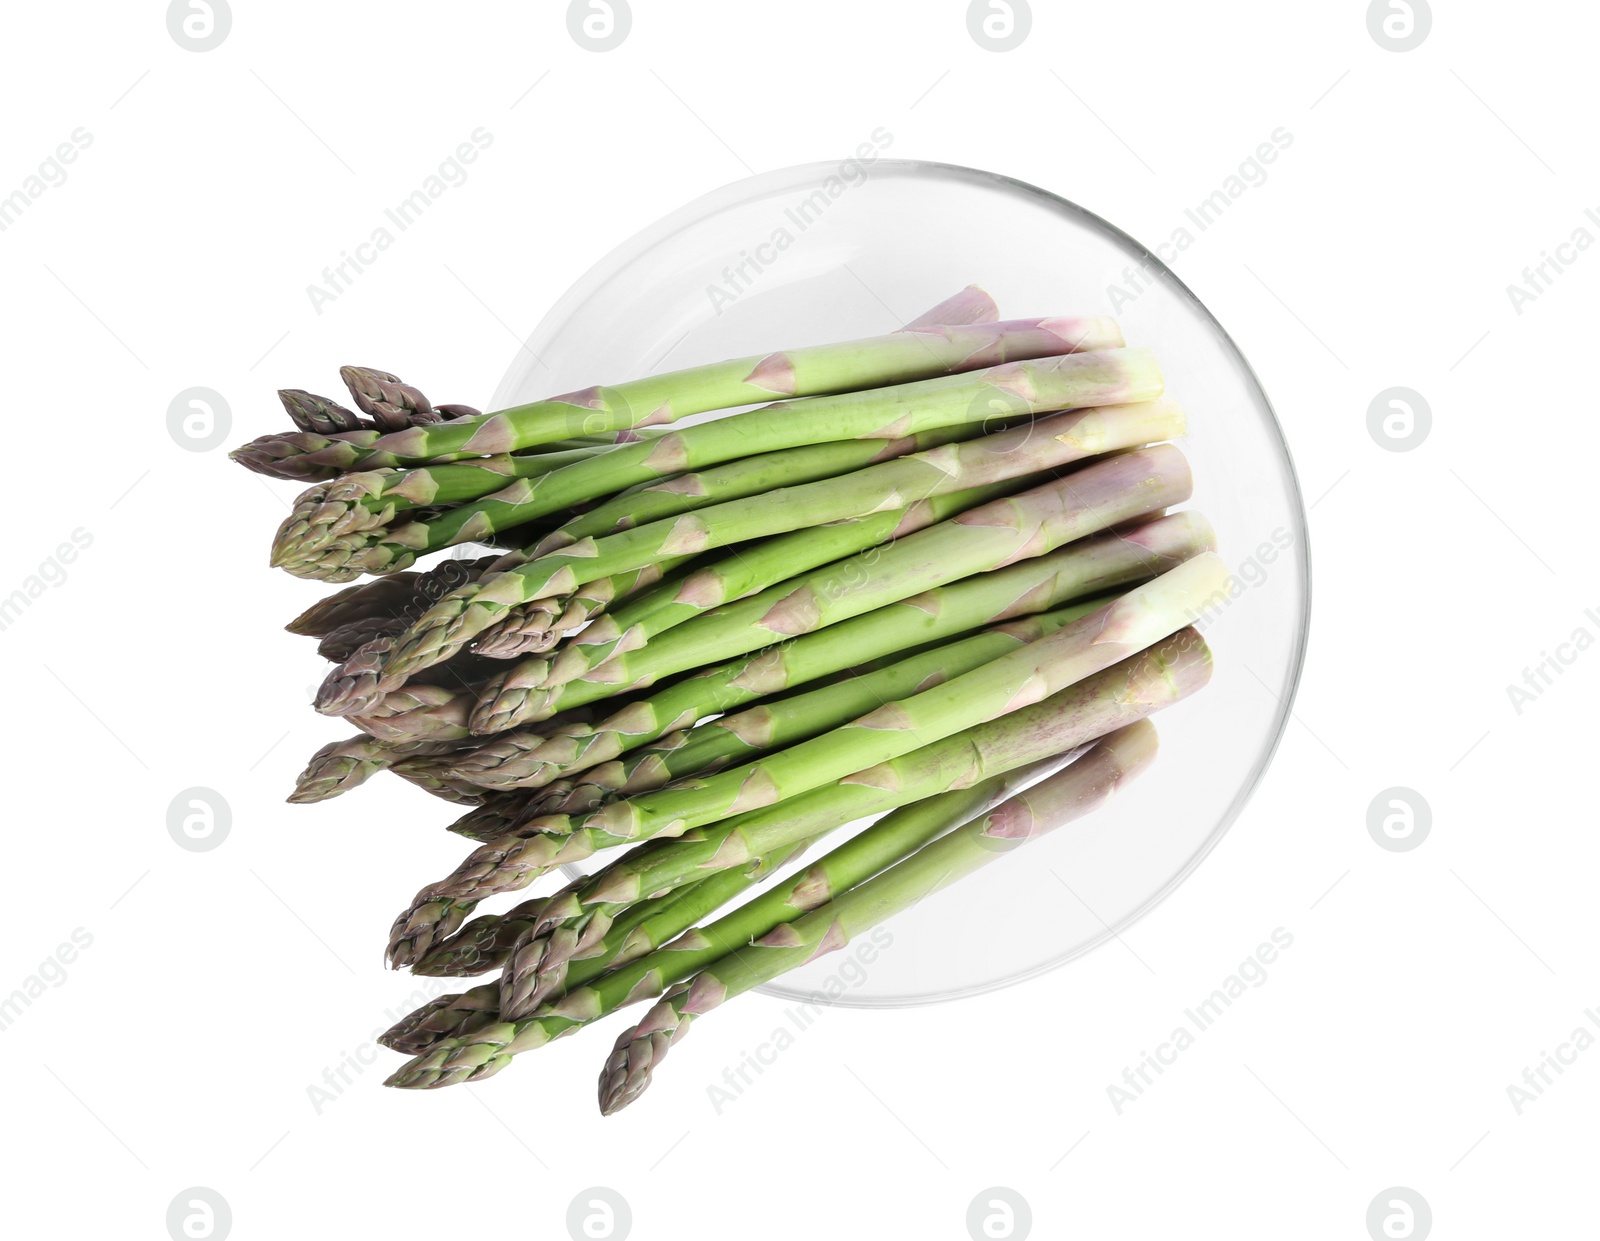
(825, 252)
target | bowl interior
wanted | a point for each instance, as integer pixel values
(827, 252)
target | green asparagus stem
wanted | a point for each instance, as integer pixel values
(537, 968)
(1112, 699)
(739, 737)
(1127, 625)
(438, 934)
(898, 358)
(367, 543)
(1047, 443)
(969, 305)
(708, 490)
(333, 522)
(285, 454)
(620, 922)
(523, 692)
(1131, 623)
(540, 967)
(1129, 691)
(453, 1016)
(447, 627)
(1095, 497)
(930, 476)
(893, 837)
(339, 516)
(1089, 566)
(451, 1023)
(326, 422)
(1081, 788)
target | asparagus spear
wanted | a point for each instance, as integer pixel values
(537, 626)
(339, 516)
(480, 945)
(292, 455)
(391, 404)
(983, 539)
(352, 687)
(1141, 617)
(1128, 692)
(1079, 789)
(326, 421)
(933, 474)
(969, 305)
(1090, 566)
(367, 543)
(529, 627)
(424, 925)
(900, 357)
(428, 773)
(717, 585)
(520, 694)
(340, 766)
(527, 622)
(456, 1016)
(353, 684)
(446, 1018)
(648, 962)
(621, 921)
(1098, 489)
(332, 522)
(418, 713)
(738, 737)
(538, 968)
(499, 815)
(885, 842)
(1047, 443)
(398, 596)
(1158, 676)
(310, 412)
(744, 479)
(437, 933)
(342, 644)
(1043, 667)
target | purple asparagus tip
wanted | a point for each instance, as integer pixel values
(386, 399)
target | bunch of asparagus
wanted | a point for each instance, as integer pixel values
(936, 581)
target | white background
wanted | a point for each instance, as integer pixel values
(179, 1047)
